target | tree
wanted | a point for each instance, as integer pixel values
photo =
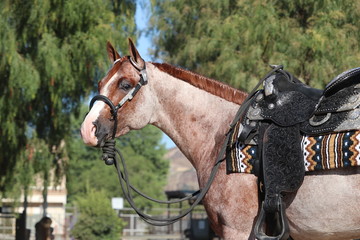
(51, 56)
(234, 41)
(97, 219)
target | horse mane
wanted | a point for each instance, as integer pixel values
(209, 85)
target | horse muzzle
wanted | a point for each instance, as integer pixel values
(94, 129)
(97, 129)
(87, 133)
(96, 133)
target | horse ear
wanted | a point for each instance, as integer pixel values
(135, 54)
(112, 53)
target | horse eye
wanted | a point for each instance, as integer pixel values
(125, 85)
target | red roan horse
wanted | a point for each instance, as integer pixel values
(196, 112)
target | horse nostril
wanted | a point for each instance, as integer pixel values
(101, 132)
(95, 125)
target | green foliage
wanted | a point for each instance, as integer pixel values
(144, 156)
(234, 41)
(52, 54)
(97, 219)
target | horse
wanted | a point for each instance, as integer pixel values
(195, 112)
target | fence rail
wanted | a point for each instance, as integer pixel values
(137, 229)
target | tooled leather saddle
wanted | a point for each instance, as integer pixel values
(275, 118)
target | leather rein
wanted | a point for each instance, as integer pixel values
(111, 153)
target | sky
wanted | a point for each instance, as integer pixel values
(144, 44)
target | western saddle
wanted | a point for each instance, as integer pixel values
(275, 118)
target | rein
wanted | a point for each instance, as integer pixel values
(111, 154)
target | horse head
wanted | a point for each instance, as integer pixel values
(106, 118)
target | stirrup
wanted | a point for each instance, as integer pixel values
(259, 225)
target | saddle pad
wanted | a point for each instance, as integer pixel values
(321, 152)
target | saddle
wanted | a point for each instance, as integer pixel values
(275, 118)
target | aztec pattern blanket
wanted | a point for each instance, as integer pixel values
(321, 152)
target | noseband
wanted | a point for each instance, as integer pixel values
(128, 97)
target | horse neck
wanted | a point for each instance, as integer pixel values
(194, 119)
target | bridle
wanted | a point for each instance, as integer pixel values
(110, 158)
(128, 97)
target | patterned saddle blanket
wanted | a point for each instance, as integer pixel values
(323, 152)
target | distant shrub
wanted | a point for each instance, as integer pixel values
(97, 220)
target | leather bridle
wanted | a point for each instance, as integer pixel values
(109, 156)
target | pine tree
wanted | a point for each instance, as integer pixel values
(51, 56)
(234, 41)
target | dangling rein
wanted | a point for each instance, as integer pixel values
(111, 156)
